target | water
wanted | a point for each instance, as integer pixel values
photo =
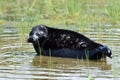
(18, 60)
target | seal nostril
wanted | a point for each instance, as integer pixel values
(30, 40)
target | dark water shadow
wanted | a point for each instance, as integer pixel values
(66, 63)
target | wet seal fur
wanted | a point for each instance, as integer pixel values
(65, 43)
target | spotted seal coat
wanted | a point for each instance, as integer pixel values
(65, 43)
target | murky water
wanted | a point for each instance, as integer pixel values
(18, 60)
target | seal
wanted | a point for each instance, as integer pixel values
(65, 43)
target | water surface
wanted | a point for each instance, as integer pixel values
(18, 60)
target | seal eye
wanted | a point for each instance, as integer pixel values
(37, 34)
(40, 34)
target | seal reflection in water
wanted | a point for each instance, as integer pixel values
(60, 63)
(65, 43)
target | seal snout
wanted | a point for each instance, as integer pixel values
(30, 40)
